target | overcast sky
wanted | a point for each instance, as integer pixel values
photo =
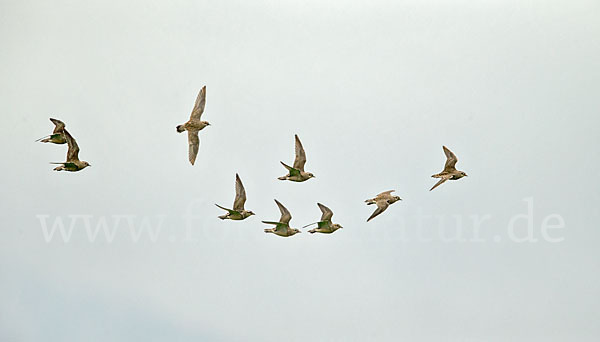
(373, 89)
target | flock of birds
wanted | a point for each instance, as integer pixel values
(295, 173)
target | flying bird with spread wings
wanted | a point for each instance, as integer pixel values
(58, 134)
(383, 201)
(297, 173)
(73, 163)
(282, 227)
(450, 171)
(324, 225)
(238, 212)
(195, 125)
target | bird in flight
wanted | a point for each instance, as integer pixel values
(73, 163)
(383, 201)
(324, 225)
(58, 134)
(238, 212)
(449, 172)
(297, 173)
(282, 228)
(194, 125)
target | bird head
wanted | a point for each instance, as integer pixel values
(463, 174)
(310, 175)
(250, 212)
(337, 226)
(86, 164)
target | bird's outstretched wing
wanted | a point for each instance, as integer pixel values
(228, 210)
(291, 170)
(285, 214)
(59, 126)
(73, 151)
(310, 224)
(327, 213)
(194, 146)
(300, 155)
(279, 227)
(385, 193)
(450, 160)
(199, 105)
(271, 222)
(382, 205)
(240, 194)
(442, 180)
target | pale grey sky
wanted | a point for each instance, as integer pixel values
(373, 89)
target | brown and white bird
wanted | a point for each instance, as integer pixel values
(73, 163)
(324, 225)
(383, 201)
(238, 212)
(297, 173)
(282, 228)
(58, 134)
(195, 125)
(449, 172)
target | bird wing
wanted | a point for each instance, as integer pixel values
(199, 105)
(228, 210)
(300, 155)
(327, 213)
(444, 178)
(59, 126)
(73, 151)
(450, 160)
(381, 207)
(279, 226)
(271, 222)
(291, 170)
(324, 224)
(194, 146)
(51, 136)
(384, 194)
(285, 214)
(240, 194)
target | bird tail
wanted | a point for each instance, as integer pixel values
(369, 201)
(312, 231)
(180, 128)
(59, 168)
(268, 230)
(222, 217)
(282, 178)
